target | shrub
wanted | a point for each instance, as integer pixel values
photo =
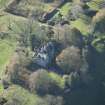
(69, 36)
(58, 100)
(98, 21)
(69, 60)
(98, 25)
(43, 82)
(58, 79)
(73, 37)
(75, 12)
(73, 80)
(51, 100)
(2, 100)
(42, 35)
(16, 95)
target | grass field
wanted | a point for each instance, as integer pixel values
(81, 26)
(8, 44)
(65, 9)
(6, 51)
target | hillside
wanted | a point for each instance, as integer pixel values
(52, 52)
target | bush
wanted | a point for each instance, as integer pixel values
(99, 45)
(98, 21)
(69, 36)
(58, 80)
(43, 83)
(16, 95)
(58, 100)
(98, 25)
(69, 60)
(75, 12)
(17, 75)
(2, 100)
(51, 100)
(73, 37)
(73, 80)
(42, 35)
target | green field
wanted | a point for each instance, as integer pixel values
(1, 88)
(66, 8)
(3, 3)
(6, 51)
(81, 26)
(8, 44)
